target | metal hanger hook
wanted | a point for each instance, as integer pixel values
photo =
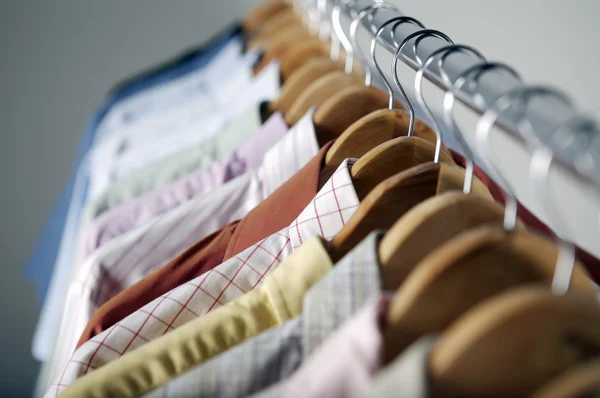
(354, 27)
(397, 21)
(336, 17)
(452, 48)
(471, 74)
(409, 106)
(484, 128)
(539, 171)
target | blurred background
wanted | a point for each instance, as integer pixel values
(58, 60)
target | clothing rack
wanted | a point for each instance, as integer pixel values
(541, 115)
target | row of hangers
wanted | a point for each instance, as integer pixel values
(516, 311)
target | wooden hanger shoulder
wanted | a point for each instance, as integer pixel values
(514, 343)
(262, 13)
(347, 106)
(300, 52)
(388, 200)
(358, 139)
(429, 225)
(579, 382)
(466, 270)
(282, 43)
(293, 87)
(273, 25)
(318, 92)
(392, 157)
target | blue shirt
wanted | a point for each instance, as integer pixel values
(56, 244)
(40, 264)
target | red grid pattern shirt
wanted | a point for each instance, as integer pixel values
(125, 261)
(324, 216)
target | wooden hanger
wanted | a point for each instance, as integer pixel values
(319, 91)
(293, 87)
(463, 272)
(346, 107)
(286, 39)
(366, 134)
(428, 226)
(516, 342)
(393, 197)
(580, 382)
(262, 13)
(273, 25)
(300, 52)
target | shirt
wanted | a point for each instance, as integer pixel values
(274, 355)
(125, 261)
(224, 65)
(125, 217)
(407, 376)
(40, 264)
(196, 120)
(64, 221)
(344, 366)
(324, 216)
(147, 178)
(277, 211)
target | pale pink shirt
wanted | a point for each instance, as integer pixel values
(122, 262)
(345, 365)
(129, 215)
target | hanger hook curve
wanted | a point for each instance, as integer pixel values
(409, 106)
(471, 74)
(451, 48)
(354, 27)
(397, 21)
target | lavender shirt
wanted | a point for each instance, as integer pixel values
(125, 217)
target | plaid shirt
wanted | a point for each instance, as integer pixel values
(276, 354)
(324, 216)
(124, 261)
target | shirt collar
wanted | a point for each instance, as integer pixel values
(290, 154)
(352, 282)
(329, 210)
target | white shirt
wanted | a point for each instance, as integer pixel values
(162, 134)
(324, 216)
(172, 93)
(124, 261)
(48, 323)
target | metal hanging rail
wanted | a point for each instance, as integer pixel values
(542, 115)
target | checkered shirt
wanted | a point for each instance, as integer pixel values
(324, 216)
(125, 261)
(275, 354)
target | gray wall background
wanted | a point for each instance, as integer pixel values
(58, 59)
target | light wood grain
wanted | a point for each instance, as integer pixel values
(511, 345)
(301, 51)
(318, 92)
(293, 87)
(286, 41)
(429, 225)
(274, 24)
(390, 199)
(465, 271)
(580, 382)
(258, 16)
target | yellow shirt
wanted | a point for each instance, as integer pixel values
(277, 300)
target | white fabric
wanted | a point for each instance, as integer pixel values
(162, 134)
(171, 93)
(324, 216)
(151, 101)
(152, 245)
